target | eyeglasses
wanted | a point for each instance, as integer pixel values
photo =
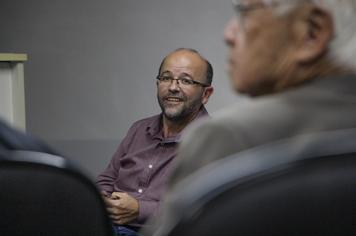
(166, 80)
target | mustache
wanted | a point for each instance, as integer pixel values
(178, 96)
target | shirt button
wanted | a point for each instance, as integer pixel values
(150, 166)
(140, 190)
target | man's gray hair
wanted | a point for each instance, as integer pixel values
(343, 45)
(342, 49)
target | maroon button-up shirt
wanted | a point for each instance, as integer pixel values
(142, 164)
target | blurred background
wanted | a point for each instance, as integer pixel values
(92, 64)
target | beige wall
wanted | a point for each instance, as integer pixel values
(6, 104)
(12, 92)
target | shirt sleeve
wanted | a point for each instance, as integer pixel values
(106, 180)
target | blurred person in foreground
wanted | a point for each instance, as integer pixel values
(135, 179)
(296, 60)
(12, 139)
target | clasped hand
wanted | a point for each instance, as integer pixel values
(122, 207)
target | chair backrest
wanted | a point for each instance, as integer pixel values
(43, 194)
(302, 186)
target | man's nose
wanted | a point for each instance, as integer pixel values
(174, 85)
(230, 32)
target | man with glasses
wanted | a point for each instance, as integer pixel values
(296, 60)
(134, 181)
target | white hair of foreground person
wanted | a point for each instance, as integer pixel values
(343, 46)
(342, 49)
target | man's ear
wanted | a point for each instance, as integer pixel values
(314, 32)
(208, 91)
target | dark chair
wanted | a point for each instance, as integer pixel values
(43, 194)
(303, 186)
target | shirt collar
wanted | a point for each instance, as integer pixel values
(154, 128)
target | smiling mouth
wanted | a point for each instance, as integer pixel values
(173, 100)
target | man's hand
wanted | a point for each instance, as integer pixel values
(122, 207)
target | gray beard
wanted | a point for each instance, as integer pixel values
(178, 116)
(181, 114)
(189, 108)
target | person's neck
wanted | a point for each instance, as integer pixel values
(301, 74)
(322, 69)
(174, 127)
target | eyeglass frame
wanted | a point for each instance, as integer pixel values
(194, 82)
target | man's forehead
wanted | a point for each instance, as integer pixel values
(182, 69)
(183, 60)
(183, 54)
